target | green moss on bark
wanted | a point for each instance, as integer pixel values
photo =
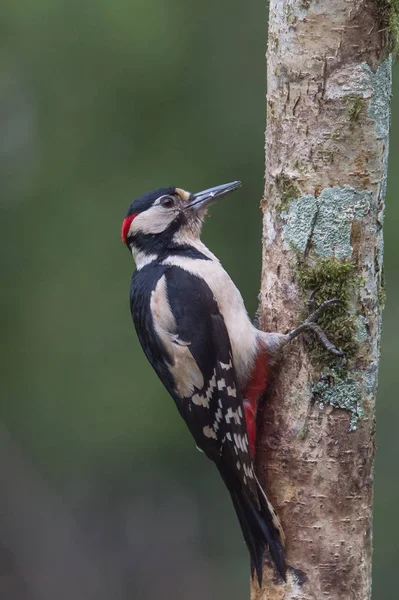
(381, 290)
(325, 279)
(355, 107)
(287, 189)
(303, 432)
(389, 15)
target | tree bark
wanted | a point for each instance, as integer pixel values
(328, 114)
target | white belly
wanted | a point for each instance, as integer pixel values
(243, 335)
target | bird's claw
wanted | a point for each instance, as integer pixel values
(312, 318)
(311, 324)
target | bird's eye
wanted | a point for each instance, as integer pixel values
(167, 202)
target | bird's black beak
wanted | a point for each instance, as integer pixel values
(205, 198)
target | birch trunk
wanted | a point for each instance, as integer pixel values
(328, 113)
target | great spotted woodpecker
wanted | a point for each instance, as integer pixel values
(194, 329)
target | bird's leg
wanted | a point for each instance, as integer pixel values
(275, 342)
(309, 326)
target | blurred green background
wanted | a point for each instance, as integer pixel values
(103, 494)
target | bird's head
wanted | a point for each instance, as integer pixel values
(168, 217)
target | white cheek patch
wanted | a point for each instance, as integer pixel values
(154, 220)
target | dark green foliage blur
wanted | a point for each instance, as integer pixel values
(100, 102)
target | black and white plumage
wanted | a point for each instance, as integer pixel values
(193, 327)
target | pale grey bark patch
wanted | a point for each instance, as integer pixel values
(346, 390)
(380, 103)
(380, 111)
(269, 226)
(326, 221)
(361, 331)
(298, 221)
(340, 391)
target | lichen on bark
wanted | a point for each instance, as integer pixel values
(326, 221)
(328, 114)
(337, 388)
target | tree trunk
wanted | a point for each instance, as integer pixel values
(328, 113)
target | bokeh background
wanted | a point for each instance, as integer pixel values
(102, 492)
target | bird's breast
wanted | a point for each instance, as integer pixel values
(243, 335)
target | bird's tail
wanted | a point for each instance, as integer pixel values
(261, 529)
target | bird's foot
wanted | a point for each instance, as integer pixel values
(310, 324)
(275, 342)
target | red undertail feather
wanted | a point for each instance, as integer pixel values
(256, 386)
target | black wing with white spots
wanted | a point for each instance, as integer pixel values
(213, 411)
(185, 338)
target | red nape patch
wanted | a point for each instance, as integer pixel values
(127, 221)
(255, 388)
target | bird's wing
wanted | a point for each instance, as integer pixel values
(187, 319)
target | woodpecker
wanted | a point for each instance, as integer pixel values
(194, 329)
